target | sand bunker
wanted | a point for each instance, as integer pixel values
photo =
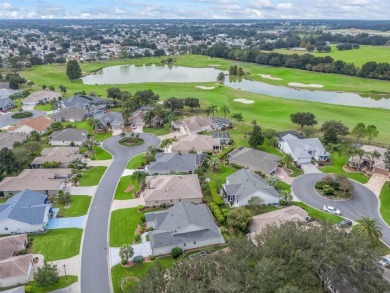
(205, 87)
(244, 101)
(214, 65)
(269, 77)
(129, 188)
(313, 85)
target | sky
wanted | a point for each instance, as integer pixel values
(187, 9)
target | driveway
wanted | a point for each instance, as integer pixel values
(309, 168)
(143, 249)
(7, 120)
(60, 223)
(363, 202)
(95, 269)
(81, 190)
(126, 204)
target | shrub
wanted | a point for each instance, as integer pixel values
(123, 261)
(28, 289)
(320, 184)
(138, 259)
(137, 238)
(176, 252)
(143, 218)
(152, 257)
(214, 194)
(219, 217)
(328, 190)
(20, 115)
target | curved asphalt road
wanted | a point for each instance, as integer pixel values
(363, 202)
(94, 260)
(6, 119)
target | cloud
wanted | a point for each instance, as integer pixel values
(119, 10)
(284, 6)
(5, 5)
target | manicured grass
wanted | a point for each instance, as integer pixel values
(339, 161)
(385, 202)
(123, 225)
(317, 214)
(92, 176)
(265, 147)
(79, 125)
(284, 186)
(136, 161)
(57, 244)
(125, 182)
(43, 107)
(79, 206)
(158, 131)
(101, 154)
(357, 56)
(118, 273)
(219, 176)
(295, 171)
(62, 283)
(102, 136)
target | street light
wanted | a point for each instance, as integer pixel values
(66, 277)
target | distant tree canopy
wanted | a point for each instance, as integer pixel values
(73, 70)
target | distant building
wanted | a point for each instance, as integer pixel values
(39, 124)
(40, 97)
(195, 143)
(72, 114)
(69, 137)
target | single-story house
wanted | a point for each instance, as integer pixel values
(223, 136)
(184, 225)
(195, 143)
(221, 123)
(68, 136)
(71, 114)
(170, 163)
(303, 150)
(93, 104)
(170, 189)
(277, 218)
(254, 160)
(193, 125)
(7, 139)
(285, 135)
(26, 212)
(6, 104)
(47, 181)
(6, 93)
(38, 97)
(112, 120)
(63, 155)
(378, 164)
(244, 184)
(137, 118)
(12, 244)
(39, 124)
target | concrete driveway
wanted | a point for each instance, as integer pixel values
(143, 249)
(61, 223)
(7, 120)
(309, 168)
(362, 204)
(81, 190)
(95, 267)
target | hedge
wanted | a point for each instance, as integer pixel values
(214, 194)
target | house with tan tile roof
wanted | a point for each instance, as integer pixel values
(12, 244)
(193, 125)
(40, 97)
(195, 143)
(7, 139)
(170, 189)
(63, 155)
(39, 124)
(16, 270)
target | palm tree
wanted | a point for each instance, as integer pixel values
(370, 228)
(225, 110)
(373, 155)
(360, 153)
(286, 196)
(211, 110)
(140, 177)
(214, 163)
(288, 159)
(169, 116)
(149, 115)
(126, 252)
(273, 181)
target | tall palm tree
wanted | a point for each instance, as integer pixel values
(373, 155)
(369, 227)
(140, 177)
(286, 196)
(225, 110)
(214, 163)
(211, 110)
(360, 153)
(149, 115)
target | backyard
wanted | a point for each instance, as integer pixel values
(79, 206)
(57, 244)
(92, 176)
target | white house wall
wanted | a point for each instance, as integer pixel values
(16, 227)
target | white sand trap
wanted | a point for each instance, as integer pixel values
(244, 101)
(205, 87)
(313, 85)
(214, 65)
(269, 77)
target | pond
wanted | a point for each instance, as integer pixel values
(125, 74)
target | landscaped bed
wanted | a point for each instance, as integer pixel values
(131, 141)
(79, 205)
(63, 282)
(335, 187)
(21, 115)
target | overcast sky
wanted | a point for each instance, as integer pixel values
(214, 9)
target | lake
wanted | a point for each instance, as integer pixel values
(125, 74)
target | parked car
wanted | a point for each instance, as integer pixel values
(344, 223)
(331, 210)
(385, 262)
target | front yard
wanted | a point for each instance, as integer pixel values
(101, 154)
(62, 283)
(123, 224)
(158, 130)
(79, 206)
(92, 176)
(57, 244)
(136, 161)
(385, 202)
(126, 188)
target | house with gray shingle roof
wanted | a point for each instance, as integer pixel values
(254, 160)
(68, 136)
(6, 104)
(171, 163)
(26, 212)
(93, 104)
(183, 225)
(111, 120)
(244, 184)
(71, 114)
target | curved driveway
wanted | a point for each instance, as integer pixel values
(94, 262)
(363, 202)
(6, 119)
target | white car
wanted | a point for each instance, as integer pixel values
(331, 210)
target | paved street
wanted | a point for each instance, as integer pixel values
(94, 262)
(6, 119)
(363, 202)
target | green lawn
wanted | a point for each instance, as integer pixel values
(317, 214)
(139, 270)
(79, 125)
(356, 56)
(62, 283)
(219, 176)
(385, 202)
(158, 131)
(339, 161)
(92, 176)
(125, 182)
(101, 154)
(122, 226)
(136, 161)
(57, 244)
(284, 186)
(79, 206)
(102, 136)
(43, 107)
(295, 171)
